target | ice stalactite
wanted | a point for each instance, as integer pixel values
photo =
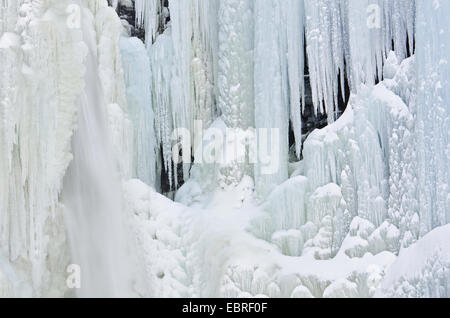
(183, 70)
(386, 25)
(326, 52)
(147, 15)
(181, 35)
(294, 17)
(433, 112)
(150, 14)
(137, 73)
(366, 46)
(353, 38)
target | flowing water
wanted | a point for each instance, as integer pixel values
(92, 197)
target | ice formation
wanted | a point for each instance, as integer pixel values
(348, 209)
(433, 114)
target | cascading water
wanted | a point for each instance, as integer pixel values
(93, 200)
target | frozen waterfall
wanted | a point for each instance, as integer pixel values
(225, 148)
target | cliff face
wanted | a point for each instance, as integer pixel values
(128, 13)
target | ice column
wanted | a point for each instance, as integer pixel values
(294, 17)
(271, 94)
(235, 71)
(147, 15)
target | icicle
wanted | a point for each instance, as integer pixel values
(138, 79)
(161, 61)
(353, 37)
(293, 15)
(147, 15)
(325, 48)
(271, 91)
(181, 32)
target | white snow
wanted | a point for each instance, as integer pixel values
(422, 270)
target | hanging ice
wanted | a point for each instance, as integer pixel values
(353, 38)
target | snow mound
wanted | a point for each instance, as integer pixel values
(422, 270)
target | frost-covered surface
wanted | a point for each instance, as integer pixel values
(433, 114)
(422, 270)
(205, 251)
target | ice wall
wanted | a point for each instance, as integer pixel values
(147, 15)
(433, 113)
(44, 45)
(183, 60)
